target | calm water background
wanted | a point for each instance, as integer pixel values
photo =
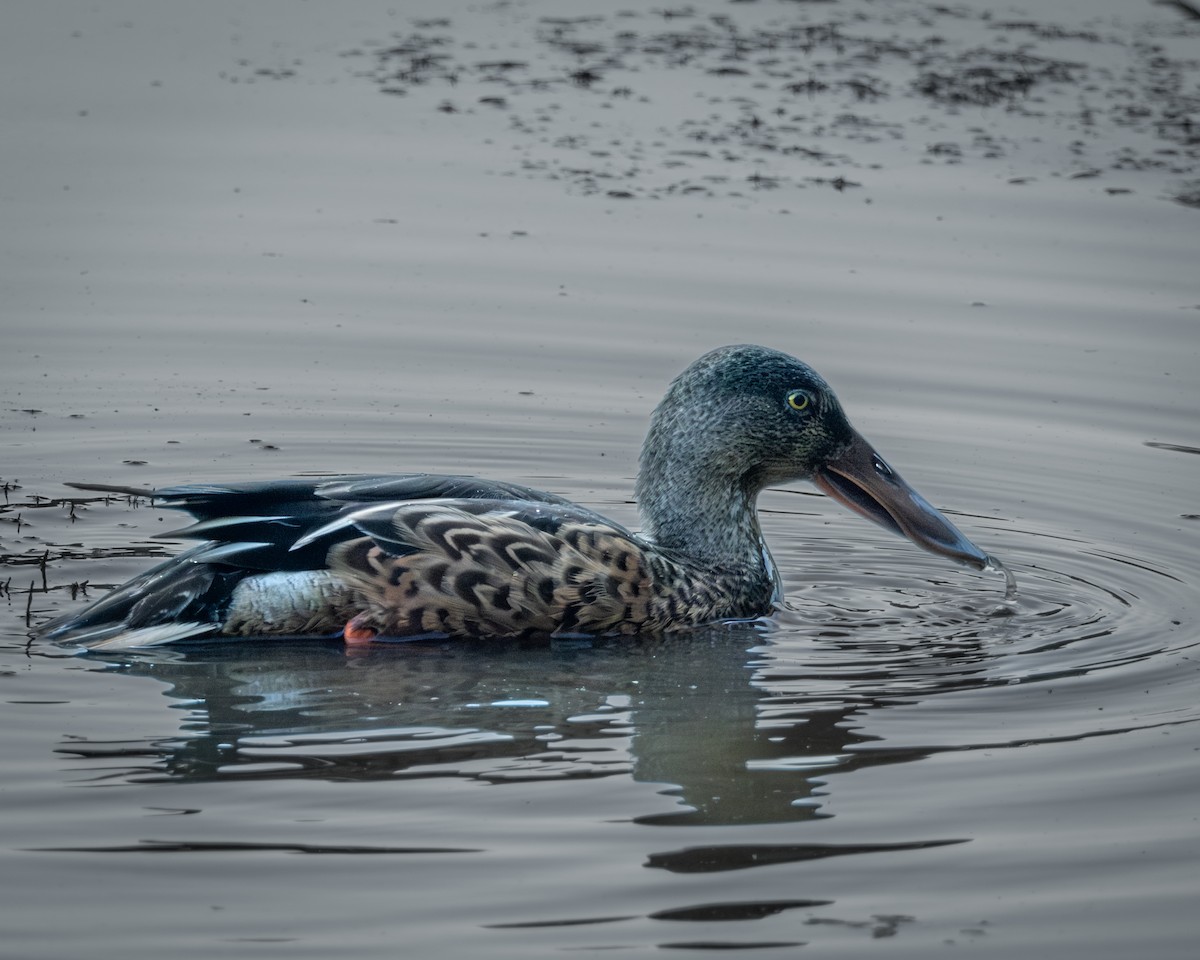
(245, 240)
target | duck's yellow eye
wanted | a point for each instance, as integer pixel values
(799, 400)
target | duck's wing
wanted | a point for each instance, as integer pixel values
(266, 543)
(302, 496)
(281, 517)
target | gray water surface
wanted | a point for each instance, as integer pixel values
(246, 241)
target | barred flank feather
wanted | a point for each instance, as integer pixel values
(493, 576)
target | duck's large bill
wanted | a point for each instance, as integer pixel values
(862, 480)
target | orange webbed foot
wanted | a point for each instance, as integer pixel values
(356, 633)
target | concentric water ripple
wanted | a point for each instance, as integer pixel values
(1096, 643)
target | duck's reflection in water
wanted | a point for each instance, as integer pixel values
(712, 716)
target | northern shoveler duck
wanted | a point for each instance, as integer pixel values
(420, 555)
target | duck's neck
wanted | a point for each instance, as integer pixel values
(692, 508)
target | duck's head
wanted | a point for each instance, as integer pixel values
(744, 417)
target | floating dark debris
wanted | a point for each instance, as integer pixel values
(807, 85)
(59, 565)
(1189, 196)
(985, 78)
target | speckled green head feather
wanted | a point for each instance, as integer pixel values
(737, 420)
